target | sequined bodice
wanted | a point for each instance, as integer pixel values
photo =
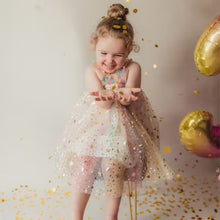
(111, 83)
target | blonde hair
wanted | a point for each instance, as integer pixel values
(115, 25)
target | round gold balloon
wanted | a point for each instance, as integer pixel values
(198, 135)
(207, 51)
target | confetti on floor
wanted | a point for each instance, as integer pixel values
(182, 198)
(190, 195)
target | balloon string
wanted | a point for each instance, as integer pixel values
(135, 196)
(129, 197)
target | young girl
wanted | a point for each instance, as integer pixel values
(112, 138)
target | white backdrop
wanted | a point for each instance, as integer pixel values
(44, 49)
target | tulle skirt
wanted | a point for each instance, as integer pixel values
(102, 150)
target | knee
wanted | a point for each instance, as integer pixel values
(111, 216)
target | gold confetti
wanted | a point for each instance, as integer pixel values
(178, 176)
(127, 1)
(146, 73)
(167, 150)
(154, 66)
(196, 91)
(156, 45)
(116, 26)
(120, 92)
(135, 10)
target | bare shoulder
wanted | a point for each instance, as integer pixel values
(134, 68)
(133, 74)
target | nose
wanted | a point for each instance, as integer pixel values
(109, 59)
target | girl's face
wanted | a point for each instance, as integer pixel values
(111, 53)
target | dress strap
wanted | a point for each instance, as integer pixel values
(124, 72)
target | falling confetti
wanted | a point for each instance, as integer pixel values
(167, 150)
(146, 73)
(156, 45)
(196, 91)
(135, 10)
(154, 66)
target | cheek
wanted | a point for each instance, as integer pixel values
(121, 61)
(99, 59)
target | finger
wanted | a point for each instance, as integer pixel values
(103, 98)
(135, 90)
(95, 93)
(129, 99)
(97, 99)
(124, 99)
(134, 98)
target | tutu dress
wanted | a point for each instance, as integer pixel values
(102, 149)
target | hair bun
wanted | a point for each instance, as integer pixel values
(118, 11)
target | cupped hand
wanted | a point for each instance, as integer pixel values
(128, 94)
(103, 95)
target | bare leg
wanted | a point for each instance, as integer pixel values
(112, 208)
(79, 202)
(82, 183)
(113, 173)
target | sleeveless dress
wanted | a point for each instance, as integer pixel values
(102, 149)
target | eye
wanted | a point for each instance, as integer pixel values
(118, 55)
(103, 53)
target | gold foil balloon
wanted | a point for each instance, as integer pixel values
(207, 51)
(199, 136)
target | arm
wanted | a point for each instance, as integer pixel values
(93, 84)
(133, 81)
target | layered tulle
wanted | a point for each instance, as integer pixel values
(100, 150)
